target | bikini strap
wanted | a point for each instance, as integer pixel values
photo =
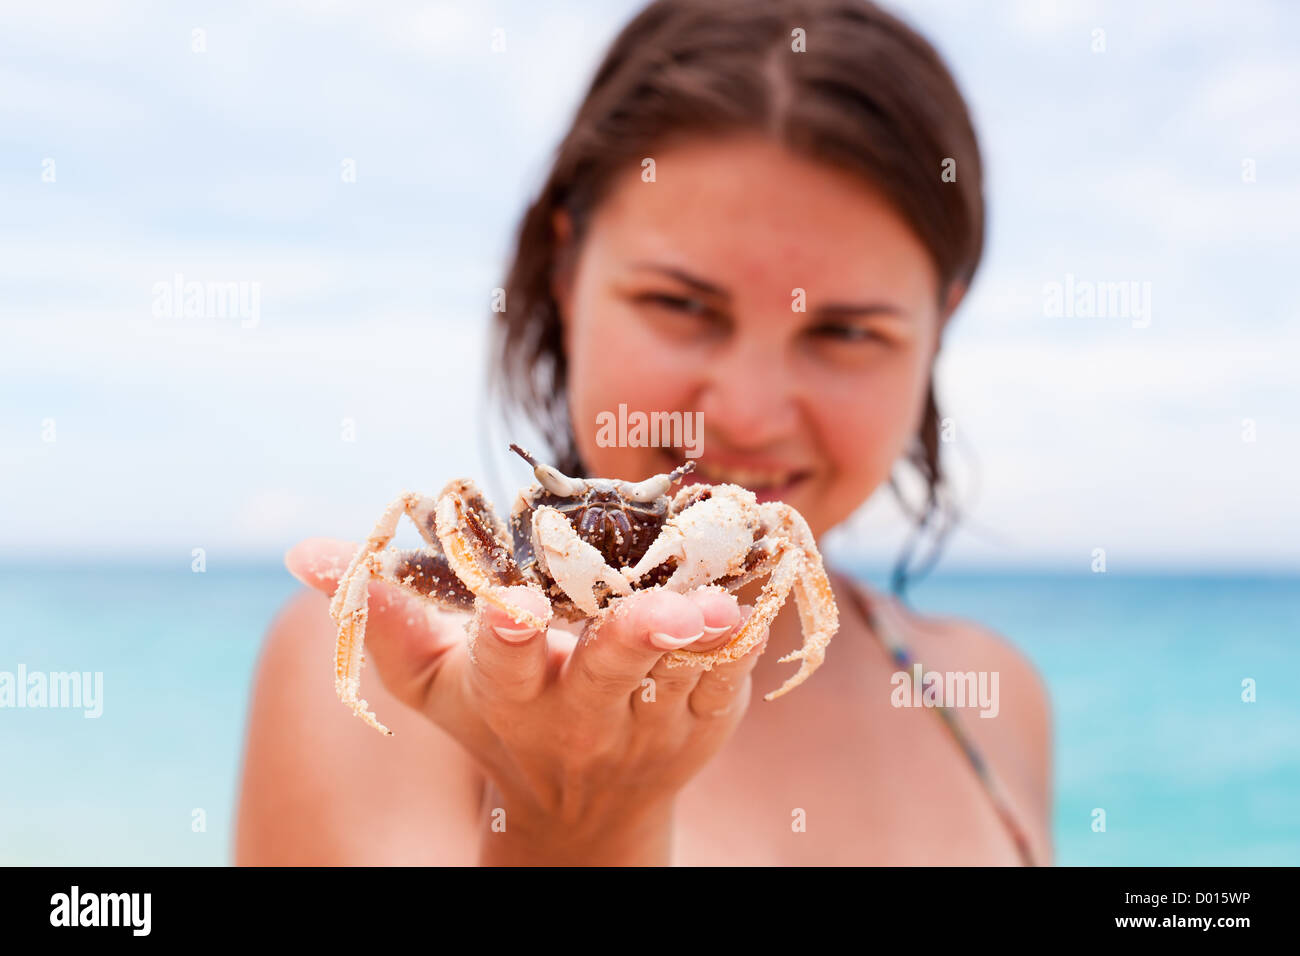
(892, 639)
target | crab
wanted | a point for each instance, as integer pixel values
(585, 543)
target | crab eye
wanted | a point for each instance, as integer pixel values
(552, 479)
(558, 483)
(644, 492)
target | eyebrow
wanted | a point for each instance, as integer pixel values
(833, 309)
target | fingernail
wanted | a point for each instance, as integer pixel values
(515, 635)
(668, 643)
(715, 631)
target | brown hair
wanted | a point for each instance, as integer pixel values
(869, 95)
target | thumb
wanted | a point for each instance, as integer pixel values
(319, 562)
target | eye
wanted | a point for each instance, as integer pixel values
(677, 303)
(840, 332)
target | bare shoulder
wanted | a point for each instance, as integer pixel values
(981, 648)
(1017, 740)
(319, 787)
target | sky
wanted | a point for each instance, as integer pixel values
(1162, 151)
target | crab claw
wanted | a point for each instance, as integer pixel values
(708, 541)
(576, 566)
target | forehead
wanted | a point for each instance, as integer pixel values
(756, 215)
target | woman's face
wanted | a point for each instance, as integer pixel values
(781, 299)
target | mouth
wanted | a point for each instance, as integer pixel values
(767, 483)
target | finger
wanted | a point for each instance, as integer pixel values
(665, 690)
(617, 651)
(725, 690)
(508, 658)
(319, 562)
(721, 613)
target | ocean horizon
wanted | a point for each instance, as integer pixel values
(1145, 672)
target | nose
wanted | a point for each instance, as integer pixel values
(750, 396)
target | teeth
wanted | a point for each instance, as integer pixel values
(746, 477)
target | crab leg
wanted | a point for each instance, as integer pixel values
(419, 507)
(477, 549)
(423, 572)
(818, 614)
(426, 573)
(775, 591)
(798, 566)
(350, 609)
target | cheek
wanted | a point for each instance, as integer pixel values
(614, 360)
(869, 419)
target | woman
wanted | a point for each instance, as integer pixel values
(765, 212)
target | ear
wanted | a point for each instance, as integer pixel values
(562, 272)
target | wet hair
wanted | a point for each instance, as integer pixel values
(869, 95)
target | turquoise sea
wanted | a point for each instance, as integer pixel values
(1145, 673)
